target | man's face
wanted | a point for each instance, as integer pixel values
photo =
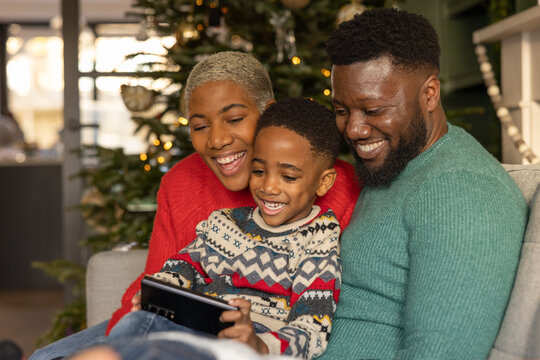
(378, 113)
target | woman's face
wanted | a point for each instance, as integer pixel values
(222, 122)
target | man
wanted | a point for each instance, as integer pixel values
(430, 255)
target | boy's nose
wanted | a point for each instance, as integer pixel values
(270, 186)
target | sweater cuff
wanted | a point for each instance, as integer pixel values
(273, 343)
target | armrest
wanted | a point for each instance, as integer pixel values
(108, 275)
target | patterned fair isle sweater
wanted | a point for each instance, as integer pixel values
(290, 273)
(188, 194)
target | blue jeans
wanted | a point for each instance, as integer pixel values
(73, 343)
(141, 323)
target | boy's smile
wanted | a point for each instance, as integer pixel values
(286, 175)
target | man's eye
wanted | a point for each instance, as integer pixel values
(340, 112)
(373, 112)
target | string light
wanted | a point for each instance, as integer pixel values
(503, 113)
(161, 159)
(326, 72)
(147, 167)
(198, 2)
(157, 142)
(200, 27)
(295, 60)
(143, 157)
(213, 5)
(326, 92)
(167, 145)
(182, 121)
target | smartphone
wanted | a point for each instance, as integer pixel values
(185, 307)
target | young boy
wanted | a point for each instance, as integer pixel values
(279, 262)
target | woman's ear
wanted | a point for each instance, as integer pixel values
(328, 177)
(270, 102)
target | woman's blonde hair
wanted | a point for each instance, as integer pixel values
(235, 66)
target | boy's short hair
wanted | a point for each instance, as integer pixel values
(409, 40)
(240, 68)
(309, 119)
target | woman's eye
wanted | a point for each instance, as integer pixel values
(198, 127)
(235, 120)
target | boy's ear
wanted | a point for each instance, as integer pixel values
(328, 177)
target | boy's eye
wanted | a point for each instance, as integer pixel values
(257, 172)
(289, 178)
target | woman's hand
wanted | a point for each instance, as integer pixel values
(242, 330)
(136, 302)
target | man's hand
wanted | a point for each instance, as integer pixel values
(242, 330)
(136, 302)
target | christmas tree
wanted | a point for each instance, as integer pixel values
(287, 36)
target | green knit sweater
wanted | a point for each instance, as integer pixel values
(429, 262)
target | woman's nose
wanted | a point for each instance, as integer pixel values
(219, 137)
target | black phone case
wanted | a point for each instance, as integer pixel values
(183, 306)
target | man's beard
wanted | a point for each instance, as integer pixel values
(408, 148)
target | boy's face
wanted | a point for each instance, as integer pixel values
(286, 175)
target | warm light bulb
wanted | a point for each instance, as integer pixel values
(143, 157)
(167, 145)
(199, 2)
(326, 92)
(161, 159)
(182, 120)
(326, 72)
(295, 60)
(147, 167)
(157, 142)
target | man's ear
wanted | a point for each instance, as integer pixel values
(432, 93)
(328, 177)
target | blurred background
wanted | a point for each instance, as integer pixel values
(90, 117)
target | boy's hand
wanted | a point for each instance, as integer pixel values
(136, 302)
(242, 330)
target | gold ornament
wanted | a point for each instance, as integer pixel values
(295, 4)
(136, 98)
(348, 11)
(185, 32)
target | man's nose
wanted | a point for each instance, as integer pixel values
(357, 128)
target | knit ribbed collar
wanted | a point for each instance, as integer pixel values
(315, 210)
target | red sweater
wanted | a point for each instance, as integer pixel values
(190, 191)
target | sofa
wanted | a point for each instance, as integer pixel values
(110, 272)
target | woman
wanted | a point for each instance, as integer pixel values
(224, 97)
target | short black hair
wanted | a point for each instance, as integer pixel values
(307, 118)
(409, 40)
